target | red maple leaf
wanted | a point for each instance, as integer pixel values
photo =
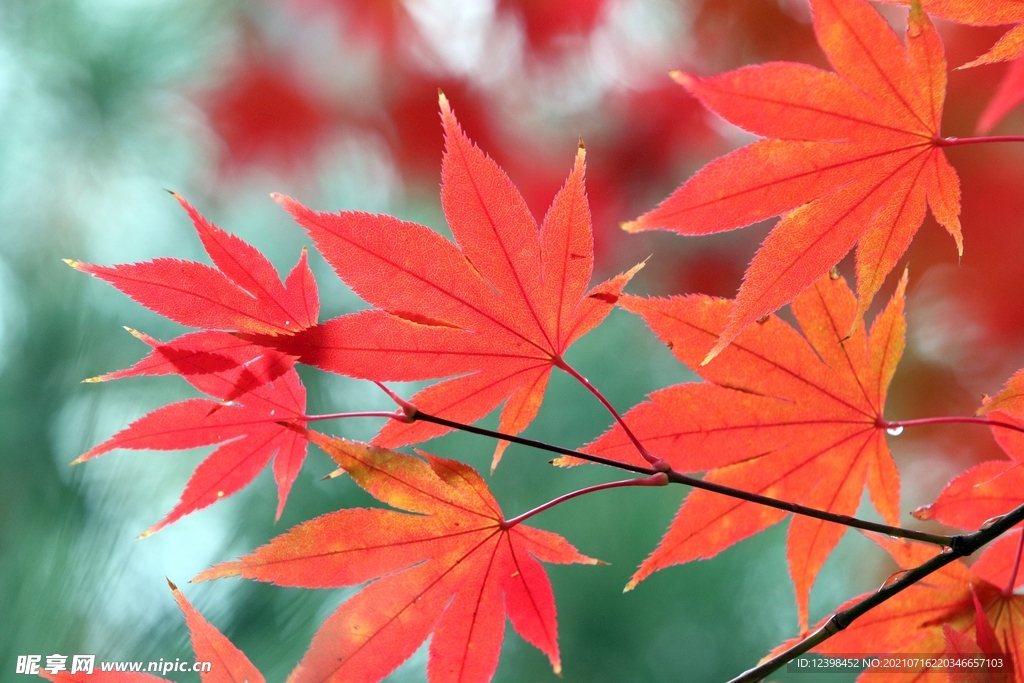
(262, 423)
(454, 569)
(783, 415)
(853, 157)
(499, 308)
(265, 114)
(243, 293)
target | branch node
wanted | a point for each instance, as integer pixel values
(409, 411)
(960, 545)
(834, 625)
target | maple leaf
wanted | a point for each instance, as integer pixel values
(243, 293)
(266, 422)
(783, 415)
(852, 157)
(499, 308)
(452, 569)
(917, 620)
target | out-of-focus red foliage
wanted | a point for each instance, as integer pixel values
(265, 115)
(544, 21)
(989, 280)
(1008, 96)
(655, 130)
(731, 33)
(379, 22)
(412, 127)
(709, 271)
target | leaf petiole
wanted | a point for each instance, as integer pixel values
(956, 142)
(656, 462)
(658, 479)
(339, 416)
(947, 419)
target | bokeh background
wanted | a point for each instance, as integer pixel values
(106, 103)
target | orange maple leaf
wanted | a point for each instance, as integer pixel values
(783, 415)
(917, 620)
(453, 569)
(852, 157)
(499, 308)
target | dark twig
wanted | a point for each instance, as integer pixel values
(679, 478)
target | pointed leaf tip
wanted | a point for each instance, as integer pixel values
(684, 79)
(72, 262)
(713, 353)
(630, 226)
(333, 475)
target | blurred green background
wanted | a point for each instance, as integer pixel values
(106, 103)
